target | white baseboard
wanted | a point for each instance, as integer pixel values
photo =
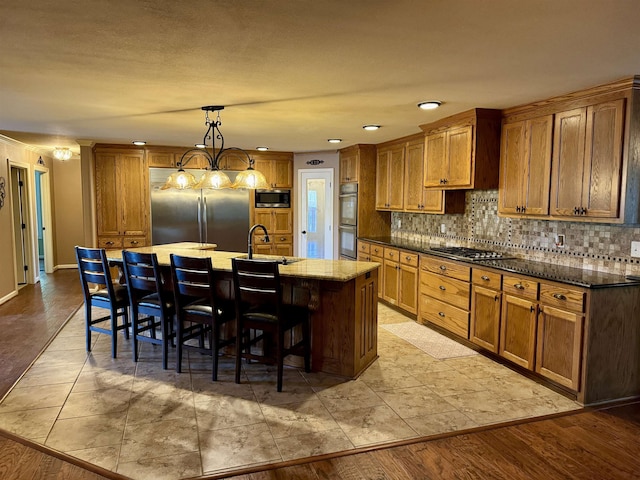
(8, 297)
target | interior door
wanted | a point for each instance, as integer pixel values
(315, 217)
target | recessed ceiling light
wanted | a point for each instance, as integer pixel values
(371, 127)
(334, 140)
(262, 149)
(139, 142)
(430, 105)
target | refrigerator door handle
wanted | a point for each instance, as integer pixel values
(199, 221)
(205, 222)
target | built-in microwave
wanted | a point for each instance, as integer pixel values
(273, 198)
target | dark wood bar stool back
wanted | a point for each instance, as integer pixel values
(148, 295)
(259, 306)
(200, 310)
(94, 270)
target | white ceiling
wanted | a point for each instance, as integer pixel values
(292, 73)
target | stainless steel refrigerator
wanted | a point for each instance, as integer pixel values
(205, 216)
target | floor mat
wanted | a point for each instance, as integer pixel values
(429, 341)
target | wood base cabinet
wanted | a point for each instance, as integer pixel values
(486, 301)
(444, 294)
(400, 273)
(518, 330)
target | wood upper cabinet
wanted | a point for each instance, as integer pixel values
(278, 171)
(462, 151)
(390, 178)
(587, 161)
(525, 166)
(349, 166)
(161, 159)
(122, 196)
(417, 198)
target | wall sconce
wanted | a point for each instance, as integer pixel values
(62, 154)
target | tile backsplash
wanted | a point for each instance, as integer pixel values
(591, 246)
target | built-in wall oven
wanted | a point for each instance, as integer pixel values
(348, 220)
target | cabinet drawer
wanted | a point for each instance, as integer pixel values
(364, 247)
(377, 251)
(363, 257)
(278, 238)
(391, 254)
(450, 290)
(486, 278)
(133, 242)
(563, 297)
(447, 316)
(520, 286)
(407, 258)
(109, 242)
(445, 267)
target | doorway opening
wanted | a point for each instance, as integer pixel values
(44, 231)
(20, 217)
(315, 215)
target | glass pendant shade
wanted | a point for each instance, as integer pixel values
(214, 179)
(251, 179)
(180, 180)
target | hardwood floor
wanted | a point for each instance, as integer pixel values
(593, 444)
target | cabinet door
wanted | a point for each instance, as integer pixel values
(435, 159)
(264, 167)
(281, 221)
(568, 162)
(108, 216)
(161, 159)
(413, 177)
(408, 289)
(133, 190)
(263, 216)
(485, 317)
(603, 159)
(348, 167)
(559, 346)
(512, 167)
(283, 249)
(382, 179)
(459, 157)
(518, 330)
(395, 182)
(380, 260)
(537, 168)
(282, 173)
(391, 281)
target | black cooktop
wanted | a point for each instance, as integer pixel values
(464, 253)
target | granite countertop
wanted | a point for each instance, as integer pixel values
(544, 271)
(334, 270)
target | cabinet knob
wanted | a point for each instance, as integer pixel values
(442, 287)
(485, 278)
(282, 239)
(496, 298)
(407, 258)
(559, 296)
(108, 243)
(134, 242)
(519, 286)
(443, 267)
(441, 314)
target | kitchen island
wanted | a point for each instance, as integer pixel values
(342, 297)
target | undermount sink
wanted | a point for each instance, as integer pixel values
(278, 260)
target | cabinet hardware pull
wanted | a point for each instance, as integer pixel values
(524, 209)
(559, 296)
(108, 243)
(519, 286)
(282, 239)
(134, 242)
(533, 309)
(576, 210)
(441, 314)
(518, 209)
(496, 298)
(485, 278)
(583, 211)
(443, 267)
(442, 288)
(407, 257)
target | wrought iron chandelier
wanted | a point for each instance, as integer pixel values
(213, 177)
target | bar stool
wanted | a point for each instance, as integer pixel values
(258, 300)
(94, 269)
(200, 310)
(148, 295)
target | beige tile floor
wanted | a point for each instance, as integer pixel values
(145, 422)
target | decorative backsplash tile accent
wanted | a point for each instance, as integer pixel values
(591, 246)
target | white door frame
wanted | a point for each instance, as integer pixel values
(28, 204)
(326, 173)
(45, 207)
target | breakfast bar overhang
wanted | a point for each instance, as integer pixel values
(342, 296)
